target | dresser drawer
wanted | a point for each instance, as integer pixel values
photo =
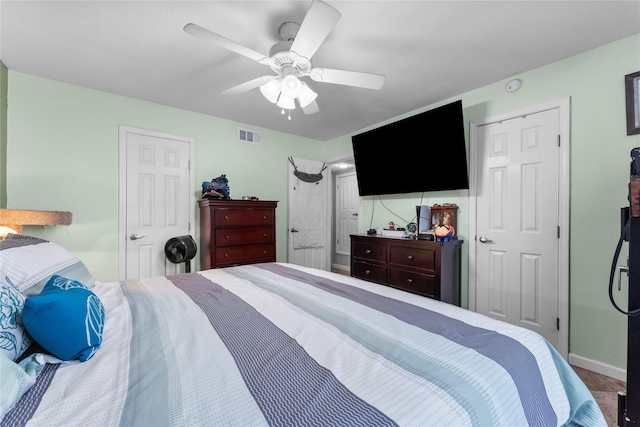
(369, 272)
(237, 236)
(423, 284)
(243, 254)
(233, 217)
(413, 257)
(370, 251)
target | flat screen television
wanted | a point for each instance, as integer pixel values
(425, 152)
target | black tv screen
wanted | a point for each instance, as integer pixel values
(425, 152)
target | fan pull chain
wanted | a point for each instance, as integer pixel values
(282, 112)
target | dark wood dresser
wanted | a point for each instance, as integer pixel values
(431, 269)
(235, 232)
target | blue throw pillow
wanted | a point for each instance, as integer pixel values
(66, 319)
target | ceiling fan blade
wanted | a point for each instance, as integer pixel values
(247, 86)
(311, 108)
(204, 34)
(316, 26)
(348, 78)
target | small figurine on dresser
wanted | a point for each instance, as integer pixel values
(444, 221)
(218, 188)
(445, 231)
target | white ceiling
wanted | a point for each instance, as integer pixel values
(429, 51)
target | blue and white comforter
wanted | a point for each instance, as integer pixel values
(277, 344)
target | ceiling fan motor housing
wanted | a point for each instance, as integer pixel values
(282, 57)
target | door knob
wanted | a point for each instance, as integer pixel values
(136, 236)
(485, 240)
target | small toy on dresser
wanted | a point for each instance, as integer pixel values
(218, 188)
(444, 232)
(444, 221)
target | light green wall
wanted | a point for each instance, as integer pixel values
(63, 146)
(3, 134)
(599, 176)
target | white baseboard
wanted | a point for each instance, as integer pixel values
(598, 367)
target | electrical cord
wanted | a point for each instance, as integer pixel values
(383, 205)
(373, 209)
(613, 273)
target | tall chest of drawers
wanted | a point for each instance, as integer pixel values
(431, 269)
(236, 232)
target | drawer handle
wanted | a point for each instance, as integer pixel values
(264, 234)
(264, 252)
(368, 251)
(367, 272)
(409, 281)
(410, 257)
(226, 217)
(264, 217)
(226, 255)
(227, 237)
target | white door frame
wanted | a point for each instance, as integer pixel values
(335, 206)
(331, 194)
(564, 107)
(122, 189)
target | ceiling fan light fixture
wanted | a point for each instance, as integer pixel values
(271, 90)
(307, 96)
(291, 86)
(286, 103)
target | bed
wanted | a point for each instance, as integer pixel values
(280, 344)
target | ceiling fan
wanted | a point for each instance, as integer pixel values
(291, 59)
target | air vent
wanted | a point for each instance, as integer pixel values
(249, 136)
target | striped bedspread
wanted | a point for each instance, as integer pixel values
(278, 344)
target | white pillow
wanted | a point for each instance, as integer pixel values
(27, 263)
(14, 383)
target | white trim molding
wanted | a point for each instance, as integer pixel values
(598, 367)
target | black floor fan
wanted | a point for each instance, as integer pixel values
(181, 249)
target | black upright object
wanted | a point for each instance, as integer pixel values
(633, 334)
(181, 249)
(631, 402)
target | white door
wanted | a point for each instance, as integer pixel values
(158, 200)
(347, 200)
(307, 221)
(518, 222)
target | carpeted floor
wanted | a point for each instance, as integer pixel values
(605, 390)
